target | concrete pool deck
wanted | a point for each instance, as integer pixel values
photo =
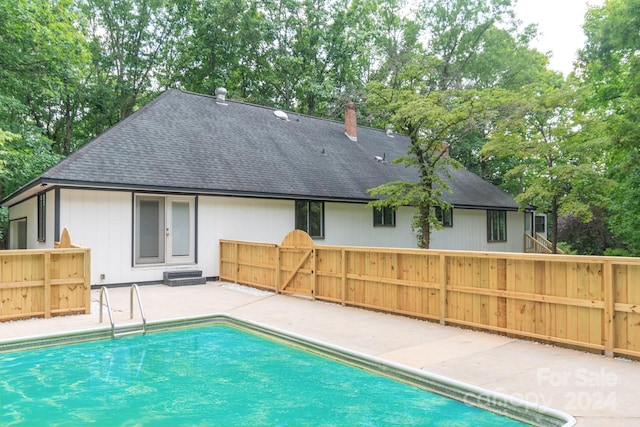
(596, 390)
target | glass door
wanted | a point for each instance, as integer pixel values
(150, 230)
(180, 230)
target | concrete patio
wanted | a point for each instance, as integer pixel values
(598, 391)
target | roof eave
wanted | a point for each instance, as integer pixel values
(41, 184)
(28, 190)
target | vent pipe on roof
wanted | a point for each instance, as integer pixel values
(350, 122)
(390, 131)
(221, 96)
(281, 115)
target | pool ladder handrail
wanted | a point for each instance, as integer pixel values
(105, 293)
(144, 319)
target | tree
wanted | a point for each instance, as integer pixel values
(42, 59)
(440, 94)
(223, 45)
(559, 164)
(609, 66)
(130, 42)
(592, 238)
(433, 122)
(4, 217)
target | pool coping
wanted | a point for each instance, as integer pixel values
(503, 404)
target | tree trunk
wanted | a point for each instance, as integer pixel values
(425, 227)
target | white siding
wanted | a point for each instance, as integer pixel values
(101, 220)
(234, 218)
(29, 209)
(469, 232)
(351, 224)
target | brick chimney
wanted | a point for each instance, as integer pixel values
(350, 122)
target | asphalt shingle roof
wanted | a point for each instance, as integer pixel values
(189, 142)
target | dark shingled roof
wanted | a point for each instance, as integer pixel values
(186, 142)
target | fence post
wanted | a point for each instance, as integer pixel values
(47, 284)
(609, 308)
(343, 254)
(314, 281)
(236, 261)
(278, 269)
(87, 280)
(443, 289)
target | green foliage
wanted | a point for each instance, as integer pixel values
(617, 252)
(591, 238)
(25, 158)
(559, 158)
(610, 68)
(567, 249)
(447, 94)
(446, 73)
(42, 59)
(130, 42)
(301, 55)
(4, 226)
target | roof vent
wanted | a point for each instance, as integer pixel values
(281, 115)
(221, 96)
(390, 131)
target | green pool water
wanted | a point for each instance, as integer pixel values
(211, 376)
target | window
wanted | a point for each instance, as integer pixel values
(384, 217)
(445, 216)
(541, 224)
(164, 230)
(42, 217)
(310, 217)
(18, 233)
(497, 226)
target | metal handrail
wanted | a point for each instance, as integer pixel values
(144, 319)
(103, 291)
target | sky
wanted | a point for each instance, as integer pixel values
(560, 25)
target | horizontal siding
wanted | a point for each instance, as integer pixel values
(351, 224)
(469, 233)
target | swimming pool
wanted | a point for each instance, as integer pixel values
(212, 371)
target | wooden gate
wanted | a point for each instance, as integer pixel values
(296, 273)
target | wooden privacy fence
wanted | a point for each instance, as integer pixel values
(587, 302)
(45, 282)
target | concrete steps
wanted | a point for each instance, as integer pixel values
(183, 278)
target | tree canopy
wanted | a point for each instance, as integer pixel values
(458, 77)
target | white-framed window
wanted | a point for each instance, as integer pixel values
(164, 229)
(310, 217)
(384, 217)
(445, 216)
(497, 226)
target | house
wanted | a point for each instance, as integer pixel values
(158, 190)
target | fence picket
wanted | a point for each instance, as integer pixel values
(579, 301)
